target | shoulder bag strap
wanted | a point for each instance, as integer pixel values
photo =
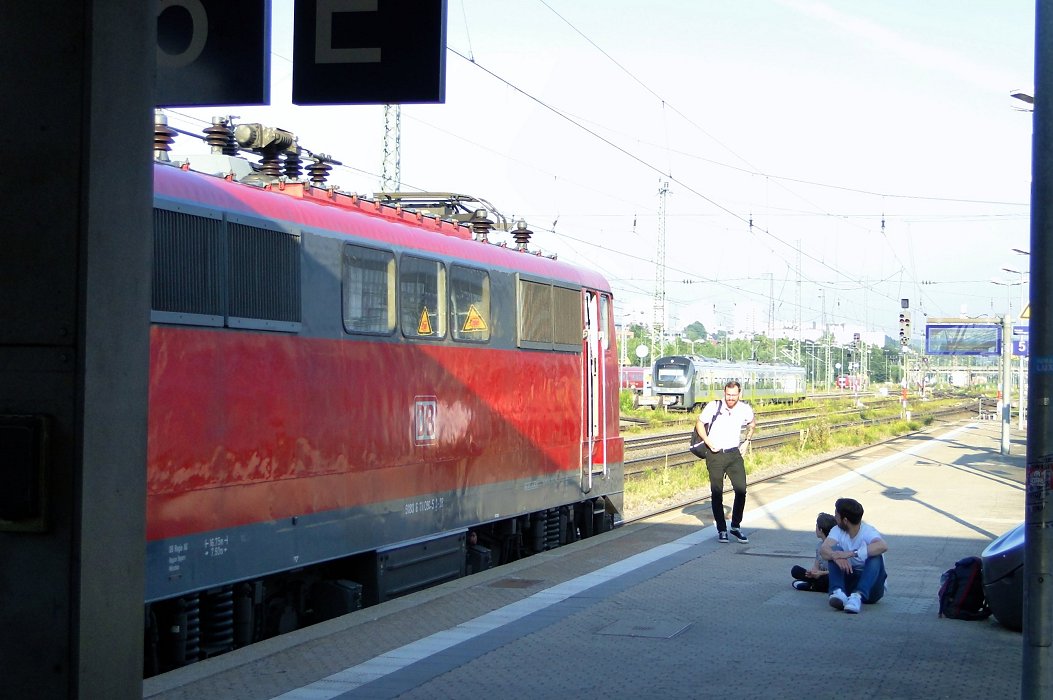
(720, 405)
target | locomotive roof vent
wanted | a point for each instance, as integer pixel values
(522, 235)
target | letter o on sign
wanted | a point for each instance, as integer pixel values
(198, 36)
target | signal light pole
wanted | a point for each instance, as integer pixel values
(1006, 405)
(1021, 383)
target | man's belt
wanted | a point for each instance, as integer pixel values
(726, 449)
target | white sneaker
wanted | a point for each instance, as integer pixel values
(838, 599)
(854, 604)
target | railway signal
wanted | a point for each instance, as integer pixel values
(904, 322)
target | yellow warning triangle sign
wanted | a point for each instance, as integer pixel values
(474, 320)
(1026, 313)
(424, 327)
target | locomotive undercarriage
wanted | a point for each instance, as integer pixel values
(200, 625)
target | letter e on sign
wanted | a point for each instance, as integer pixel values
(369, 51)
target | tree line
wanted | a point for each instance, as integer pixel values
(882, 362)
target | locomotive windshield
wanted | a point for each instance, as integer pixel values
(672, 373)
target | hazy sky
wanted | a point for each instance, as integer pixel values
(878, 139)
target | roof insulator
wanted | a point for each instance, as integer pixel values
(220, 137)
(481, 226)
(318, 172)
(292, 162)
(522, 235)
(163, 137)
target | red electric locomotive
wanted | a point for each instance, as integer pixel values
(350, 401)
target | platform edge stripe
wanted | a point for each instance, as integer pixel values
(395, 660)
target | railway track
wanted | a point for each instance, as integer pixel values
(702, 495)
(669, 450)
(681, 417)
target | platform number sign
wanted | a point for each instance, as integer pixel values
(1020, 337)
(425, 419)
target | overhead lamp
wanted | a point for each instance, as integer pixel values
(1023, 96)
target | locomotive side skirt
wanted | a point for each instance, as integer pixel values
(206, 559)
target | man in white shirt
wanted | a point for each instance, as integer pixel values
(854, 550)
(719, 425)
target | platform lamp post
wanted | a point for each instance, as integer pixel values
(1021, 403)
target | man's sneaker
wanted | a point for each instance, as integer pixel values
(838, 599)
(855, 602)
(739, 535)
(802, 585)
(722, 537)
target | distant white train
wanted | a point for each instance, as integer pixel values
(687, 381)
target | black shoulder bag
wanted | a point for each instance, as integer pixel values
(698, 446)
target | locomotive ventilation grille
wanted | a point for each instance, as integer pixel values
(224, 272)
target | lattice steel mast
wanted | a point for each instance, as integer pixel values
(658, 320)
(391, 176)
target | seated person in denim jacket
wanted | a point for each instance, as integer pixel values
(815, 578)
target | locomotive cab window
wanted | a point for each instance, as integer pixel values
(549, 317)
(469, 304)
(422, 297)
(605, 321)
(369, 290)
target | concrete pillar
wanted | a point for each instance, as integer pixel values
(74, 306)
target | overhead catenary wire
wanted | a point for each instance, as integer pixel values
(644, 163)
(765, 236)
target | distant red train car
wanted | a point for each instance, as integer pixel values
(636, 379)
(351, 401)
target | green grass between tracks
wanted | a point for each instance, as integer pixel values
(668, 485)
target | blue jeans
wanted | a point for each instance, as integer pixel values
(868, 581)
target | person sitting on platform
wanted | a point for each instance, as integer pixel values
(854, 550)
(815, 578)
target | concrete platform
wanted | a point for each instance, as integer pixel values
(661, 609)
